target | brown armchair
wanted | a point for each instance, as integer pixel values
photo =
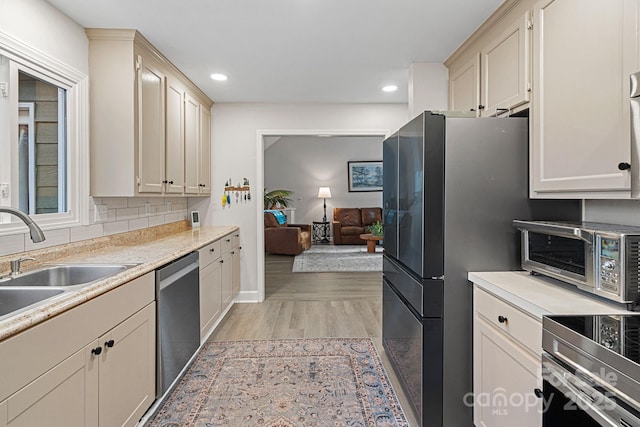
(350, 223)
(285, 239)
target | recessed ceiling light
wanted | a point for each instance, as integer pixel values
(219, 77)
(390, 88)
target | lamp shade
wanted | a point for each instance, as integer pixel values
(324, 193)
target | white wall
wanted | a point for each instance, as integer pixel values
(237, 152)
(45, 28)
(305, 163)
(428, 87)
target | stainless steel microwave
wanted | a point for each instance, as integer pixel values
(603, 259)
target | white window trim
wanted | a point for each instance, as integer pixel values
(76, 83)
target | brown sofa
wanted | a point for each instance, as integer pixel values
(350, 223)
(285, 239)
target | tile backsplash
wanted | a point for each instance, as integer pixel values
(107, 216)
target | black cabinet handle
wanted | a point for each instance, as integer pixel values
(228, 240)
(538, 393)
(623, 166)
(109, 343)
(96, 350)
(212, 250)
(233, 252)
(164, 181)
(221, 261)
(480, 107)
(170, 182)
(502, 319)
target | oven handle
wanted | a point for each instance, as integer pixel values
(561, 379)
(555, 230)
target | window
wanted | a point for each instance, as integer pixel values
(43, 120)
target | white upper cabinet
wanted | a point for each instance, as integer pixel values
(505, 61)
(192, 142)
(584, 51)
(464, 86)
(204, 171)
(139, 130)
(175, 148)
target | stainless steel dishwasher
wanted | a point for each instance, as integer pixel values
(178, 318)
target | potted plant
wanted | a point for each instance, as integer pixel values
(376, 229)
(277, 199)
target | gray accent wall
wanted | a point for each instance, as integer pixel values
(306, 163)
(613, 211)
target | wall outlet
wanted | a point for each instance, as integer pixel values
(4, 190)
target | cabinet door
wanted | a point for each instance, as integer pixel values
(464, 86)
(205, 150)
(235, 271)
(127, 369)
(67, 395)
(505, 376)
(191, 137)
(227, 279)
(151, 112)
(210, 296)
(583, 51)
(505, 69)
(174, 162)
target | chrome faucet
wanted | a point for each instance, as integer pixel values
(36, 232)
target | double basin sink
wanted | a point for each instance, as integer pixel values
(26, 289)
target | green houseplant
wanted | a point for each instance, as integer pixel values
(376, 229)
(277, 199)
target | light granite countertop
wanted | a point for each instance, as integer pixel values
(539, 295)
(149, 255)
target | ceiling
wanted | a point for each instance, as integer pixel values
(294, 51)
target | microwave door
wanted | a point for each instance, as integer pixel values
(561, 257)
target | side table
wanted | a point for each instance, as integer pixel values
(321, 231)
(372, 241)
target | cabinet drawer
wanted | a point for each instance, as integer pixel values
(209, 253)
(226, 243)
(520, 326)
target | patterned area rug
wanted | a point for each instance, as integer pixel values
(338, 258)
(284, 383)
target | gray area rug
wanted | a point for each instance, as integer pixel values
(339, 258)
(319, 382)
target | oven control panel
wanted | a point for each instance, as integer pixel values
(609, 273)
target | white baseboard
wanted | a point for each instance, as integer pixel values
(247, 297)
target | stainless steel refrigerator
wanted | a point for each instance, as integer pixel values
(452, 187)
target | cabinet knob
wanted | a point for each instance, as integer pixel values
(109, 343)
(502, 319)
(228, 240)
(212, 250)
(96, 350)
(480, 107)
(164, 181)
(538, 393)
(221, 261)
(170, 182)
(623, 166)
(233, 252)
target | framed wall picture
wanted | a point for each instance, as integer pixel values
(365, 175)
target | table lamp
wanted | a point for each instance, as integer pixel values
(324, 193)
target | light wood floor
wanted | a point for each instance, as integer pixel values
(313, 305)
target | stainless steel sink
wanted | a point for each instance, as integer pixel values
(65, 275)
(14, 299)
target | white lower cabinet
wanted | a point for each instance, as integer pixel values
(93, 365)
(506, 370)
(219, 280)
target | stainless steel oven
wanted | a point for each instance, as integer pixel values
(590, 371)
(603, 259)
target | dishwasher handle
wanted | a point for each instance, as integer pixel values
(175, 277)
